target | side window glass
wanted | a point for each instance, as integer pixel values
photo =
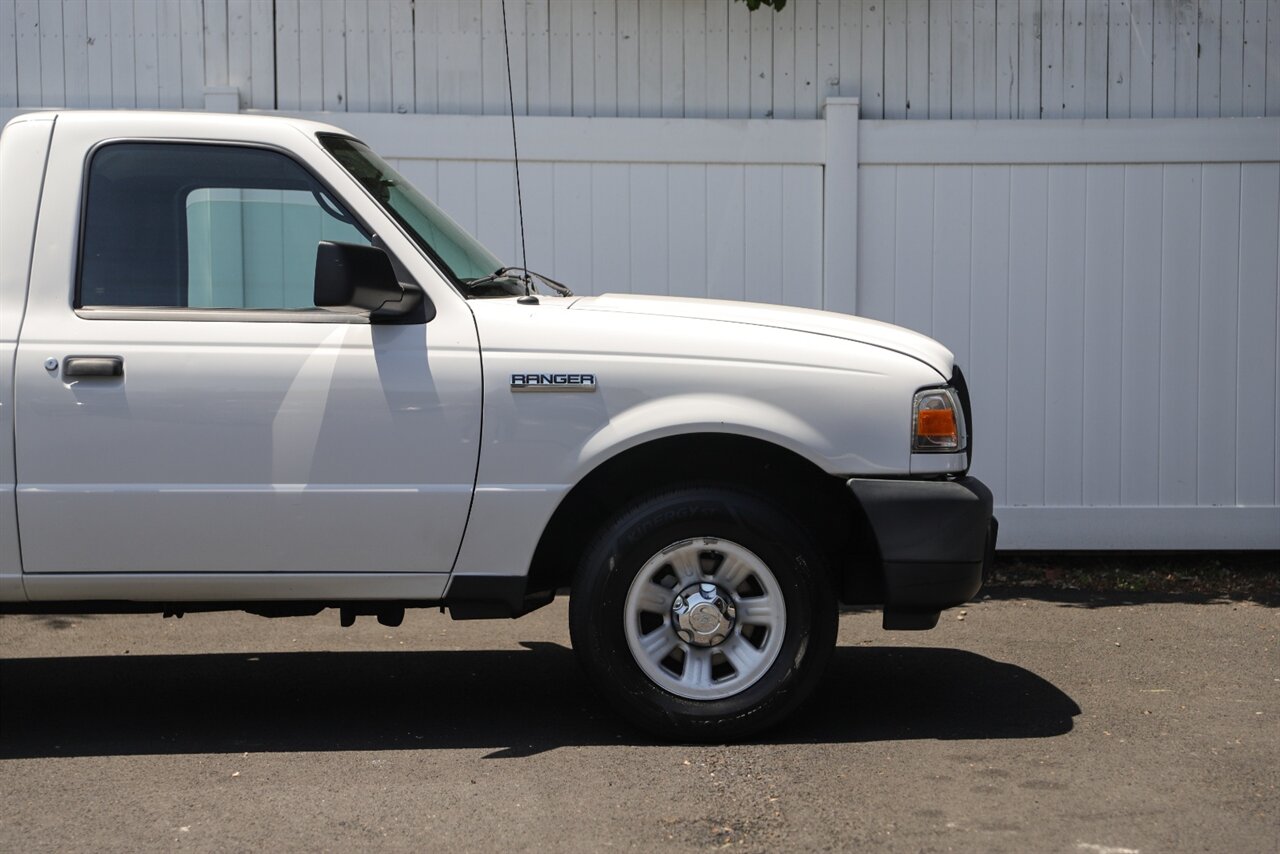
(203, 226)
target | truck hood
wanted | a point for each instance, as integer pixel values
(828, 323)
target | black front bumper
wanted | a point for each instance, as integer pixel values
(934, 542)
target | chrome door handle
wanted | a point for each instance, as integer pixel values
(93, 366)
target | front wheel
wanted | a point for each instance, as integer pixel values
(703, 613)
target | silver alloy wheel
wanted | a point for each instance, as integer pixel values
(725, 602)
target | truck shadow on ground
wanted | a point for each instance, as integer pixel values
(519, 703)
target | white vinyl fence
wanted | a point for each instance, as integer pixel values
(1109, 286)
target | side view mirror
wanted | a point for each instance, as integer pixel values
(350, 275)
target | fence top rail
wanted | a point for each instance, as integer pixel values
(1069, 141)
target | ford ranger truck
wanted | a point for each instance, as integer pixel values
(245, 365)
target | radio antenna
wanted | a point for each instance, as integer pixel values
(515, 150)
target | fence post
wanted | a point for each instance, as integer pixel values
(840, 206)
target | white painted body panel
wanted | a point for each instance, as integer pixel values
(23, 149)
(238, 446)
(675, 366)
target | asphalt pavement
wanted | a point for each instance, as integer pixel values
(1093, 726)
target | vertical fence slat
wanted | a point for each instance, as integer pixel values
(611, 240)
(919, 60)
(1096, 81)
(1075, 51)
(895, 61)
(1209, 66)
(1141, 59)
(239, 49)
(123, 76)
(146, 57)
(686, 229)
(989, 354)
(75, 52)
(53, 90)
(913, 266)
(828, 80)
(582, 52)
(962, 57)
(984, 59)
(628, 58)
(493, 60)
(1065, 335)
(740, 77)
(718, 60)
(359, 69)
(761, 65)
(726, 231)
(537, 182)
(1179, 304)
(1006, 59)
(262, 55)
(8, 54)
(1140, 362)
(169, 53)
(695, 61)
(289, 55)
(605, 44)
(650, 59)
(802, 236)
(850, 48)
(952, 259)
(335, 57)
(1118, 75)
(1257, 454)
(402, 83)
(1029, 59)
(573, 227)
(1218, 311)
(378, 45)
(1231, 67)
(1103, 306)
(673, 70)
(648, 195)
(1028, 231)
(1273, 59)
(939, 59)
(1052, 93)
(877, 242)
(537, 58)
(98, 54)
(764, 245)
(1164, 47)
(807, 88)
(1186, 59)
(425, 50)
(871, 96)
(784, 62)
(191, 21)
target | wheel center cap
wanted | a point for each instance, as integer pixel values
(702, 614)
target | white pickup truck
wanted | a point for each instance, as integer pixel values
(245, 365)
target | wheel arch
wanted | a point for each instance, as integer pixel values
(817, 499)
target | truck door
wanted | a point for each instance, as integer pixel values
(184, 407)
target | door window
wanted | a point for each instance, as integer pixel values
(204, 226)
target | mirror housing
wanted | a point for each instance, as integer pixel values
(354, 276)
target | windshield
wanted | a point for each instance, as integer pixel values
(443, 239)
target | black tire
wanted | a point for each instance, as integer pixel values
(646, 528)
